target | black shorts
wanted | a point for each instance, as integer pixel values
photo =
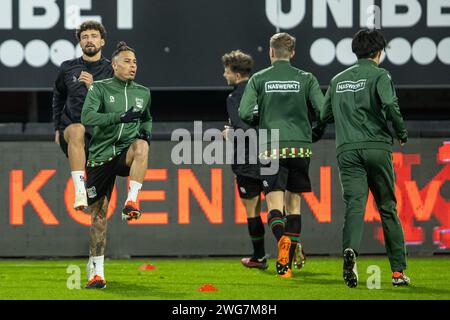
(64, 146)
(293, 176)
(248, 187)
(101, 179)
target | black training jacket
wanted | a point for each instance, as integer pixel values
(233, 101)
(69, 94)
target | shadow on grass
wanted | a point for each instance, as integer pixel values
(308, 274)
(324, 282)
(413, 289)
(130, 291)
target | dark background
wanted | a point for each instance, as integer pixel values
(209, 105)
(186, 80)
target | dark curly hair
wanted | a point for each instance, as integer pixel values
(238, 62)
(90, 25)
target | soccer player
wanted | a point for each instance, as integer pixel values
(119, 110)
(276, 98)
(361, 100)
(237, 68)
(70, 90)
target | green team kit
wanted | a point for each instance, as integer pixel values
(277, 98)
(106, 102)
(360, 100)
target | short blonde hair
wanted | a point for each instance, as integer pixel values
(283, 45)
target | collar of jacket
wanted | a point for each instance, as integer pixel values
(241, 84)
(92, 63)
(122, 82)
(281, 63)
(367, 62)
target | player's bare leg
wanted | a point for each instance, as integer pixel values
(74, 136)
(97, 239)
(252, 206)
(293, 227)
(97, 244)
(137, 160)
(256, 231)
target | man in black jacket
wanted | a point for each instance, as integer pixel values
(71, 87)
(238, 66)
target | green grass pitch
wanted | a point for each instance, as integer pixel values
(180, 279)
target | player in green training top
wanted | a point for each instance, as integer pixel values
(119, 110)
(277, 98)
(361, 100)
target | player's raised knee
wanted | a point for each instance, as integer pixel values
(77, 128)
(141, 148)
(75, 132)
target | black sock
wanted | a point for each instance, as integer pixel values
(293, 229)
(276, 223)
(256, 231)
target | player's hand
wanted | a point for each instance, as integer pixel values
(403, 141)
(86, 78)
(57, 137)
(225, 132)
(317, 133)
(130, 116)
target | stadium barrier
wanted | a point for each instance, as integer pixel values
(194, 210)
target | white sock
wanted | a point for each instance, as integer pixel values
(90, 269)
(98, 265)
(134, 190)
(78, 181)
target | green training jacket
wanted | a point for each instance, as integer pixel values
(360, 100)
(277, 98)
(105, 102)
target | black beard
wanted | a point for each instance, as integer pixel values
(91, 53)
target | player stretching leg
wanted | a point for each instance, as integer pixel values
(119, 110)
(71, 87)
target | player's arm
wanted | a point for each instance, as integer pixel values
(233, 113)
(389, 103)
(91, 116)
(315, 96)
(59, 98)
(248, 108)
(145, 130)
(326, 116)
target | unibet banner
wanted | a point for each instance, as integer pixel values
(179, 43)
(195, 209)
